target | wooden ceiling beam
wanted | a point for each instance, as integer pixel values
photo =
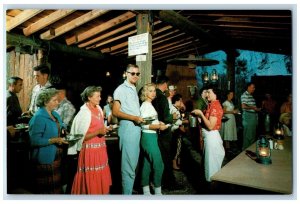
(172, 47)
(116, 47)
(123, 51)
(53, 33)
(43, 22)
(183, 24)
(165, 35)
(109, 34)
(101, 37)
(100, 28)
(171, 44)
(113, 39)
(154, 38)
(21, 18)
(174, 52)
(19, 40)
(166, 39)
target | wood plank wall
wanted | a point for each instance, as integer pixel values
(19, 64)
(182, 77)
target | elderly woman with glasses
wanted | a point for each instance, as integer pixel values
(44, 131)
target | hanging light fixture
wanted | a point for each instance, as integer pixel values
(107, 74)
(205, 77)
(214, 76)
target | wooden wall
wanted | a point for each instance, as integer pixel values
(182, 77)
(21, 65)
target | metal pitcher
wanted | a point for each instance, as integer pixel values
(193, 121)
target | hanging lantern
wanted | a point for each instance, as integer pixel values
(214, 76)
(205, 77)
(263, 151)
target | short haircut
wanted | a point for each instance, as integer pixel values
(202, 89)
(44, 96)
(162, 80)
(131, 65)
(144, 91)
(44, 69)
(176, 97)
(249, 84)
(89, 91)
(215, 90)
(13, 80)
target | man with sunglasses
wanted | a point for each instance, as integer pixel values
(126, 108)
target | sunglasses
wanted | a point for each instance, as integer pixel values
(134, 73)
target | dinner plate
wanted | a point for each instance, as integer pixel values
(149, 118)
(75, 137)
(21, 126)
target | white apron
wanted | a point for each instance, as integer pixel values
(213, 152)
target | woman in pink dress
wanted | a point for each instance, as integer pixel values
(93, 172)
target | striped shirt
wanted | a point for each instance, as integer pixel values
(248, 99)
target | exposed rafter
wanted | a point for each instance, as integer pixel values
(100, 28)
(21, 18)
(42, 23)
(53, 33)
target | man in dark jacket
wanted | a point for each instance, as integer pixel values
(161, 105)
(13, 108)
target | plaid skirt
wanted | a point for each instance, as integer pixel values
(47, 177)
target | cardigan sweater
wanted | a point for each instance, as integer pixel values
(80, 125)
(41, 129)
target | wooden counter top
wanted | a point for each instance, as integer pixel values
(276, 177)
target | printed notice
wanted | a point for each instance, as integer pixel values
(138, 44)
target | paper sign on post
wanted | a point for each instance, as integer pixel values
(140, 58)
(138, 44)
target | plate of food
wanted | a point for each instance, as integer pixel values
(149, 119)
(21, 126)
(74, 137)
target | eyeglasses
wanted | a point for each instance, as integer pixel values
(134, 73)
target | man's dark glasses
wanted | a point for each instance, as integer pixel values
(134, 73)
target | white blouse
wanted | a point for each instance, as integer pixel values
(147, 110)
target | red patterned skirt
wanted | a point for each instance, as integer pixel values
(93, 172)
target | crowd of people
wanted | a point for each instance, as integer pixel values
(151, 125)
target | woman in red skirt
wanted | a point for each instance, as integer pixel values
(93, 172)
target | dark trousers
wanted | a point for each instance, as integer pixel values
(72, 162)
(164, 142)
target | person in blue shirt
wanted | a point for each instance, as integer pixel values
(126, 108)
(44, 131)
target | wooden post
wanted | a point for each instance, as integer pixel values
(143, 25)
(231, 56)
